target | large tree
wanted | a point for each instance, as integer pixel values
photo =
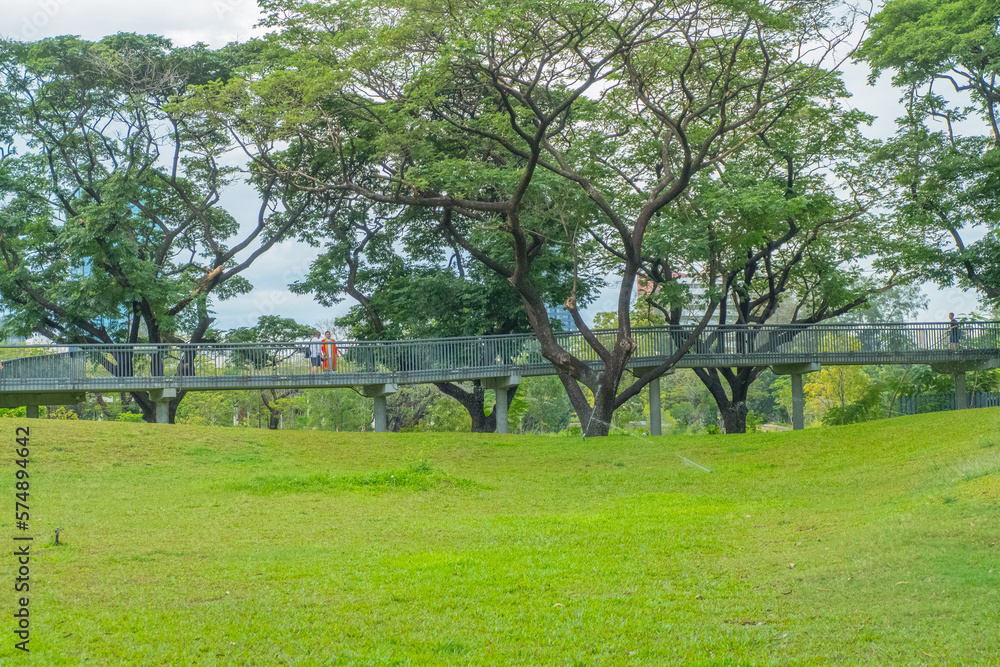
(944, 56)
(792, 210)
(409, 283)
(527, 124)
(116, 233)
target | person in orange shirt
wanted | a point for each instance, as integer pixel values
(329, 353)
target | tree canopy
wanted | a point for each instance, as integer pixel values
(944, 55)
(111, 228)
(523, 125)
(795, 211)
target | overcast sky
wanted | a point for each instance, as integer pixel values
(217, 22)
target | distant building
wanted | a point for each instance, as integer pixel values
(694, 311)
(561, 315)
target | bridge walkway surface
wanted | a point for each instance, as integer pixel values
(63, 373)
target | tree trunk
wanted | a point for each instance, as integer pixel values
(148, 406)
(475, 404)
(145, 404)
(732, 406)
(734, 417)
(270, 398)
(598, 422)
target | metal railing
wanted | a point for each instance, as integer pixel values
(248, 365)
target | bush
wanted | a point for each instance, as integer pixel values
(866, 408)
(573, 431)
(62, 412)
(130, 417)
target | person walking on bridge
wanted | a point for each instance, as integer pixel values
(329, 353)
(953, 332)
(315, 353)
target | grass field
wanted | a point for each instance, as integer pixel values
(868, 544)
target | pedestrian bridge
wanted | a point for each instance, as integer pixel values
(60, 373)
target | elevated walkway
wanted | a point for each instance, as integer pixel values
(55, 374)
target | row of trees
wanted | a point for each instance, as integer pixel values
(465, 167)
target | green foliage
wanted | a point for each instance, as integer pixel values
(332, 410)
(209, 408)
(870, 405)
(110, 220)
(18, 413)
(572, 431)
(927, 40)
(944, 56)
(836, 386)
(105, 239)
(63, 413)
(130, 417)
(540, 406)
(789, 222)
(446, 415)
(435, 151)
(681, 411)
(269, 329)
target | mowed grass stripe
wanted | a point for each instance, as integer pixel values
(861, 544)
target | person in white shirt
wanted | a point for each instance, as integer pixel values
(315, 352)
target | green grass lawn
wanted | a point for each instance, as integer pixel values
(867, 544)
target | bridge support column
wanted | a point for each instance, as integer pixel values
(798, 396)
(33, 399)
(162, 398)
(379, 413)
(655, 411)
(958, 369)
(379, 392)
(502, 385)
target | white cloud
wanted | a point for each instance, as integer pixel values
(215, 22)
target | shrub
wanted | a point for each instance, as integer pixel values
(866, 408)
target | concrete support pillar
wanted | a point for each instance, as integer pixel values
(31, 400)
(798, 404)
(655, 419)
(162, 399)
(502, 396)
(163, 412)
(379, 392)
(961, 398)
(798, 396)
(502, 386)
(958, 369)
(381, 406)
(655, 411)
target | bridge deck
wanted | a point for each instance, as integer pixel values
(112, 368)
